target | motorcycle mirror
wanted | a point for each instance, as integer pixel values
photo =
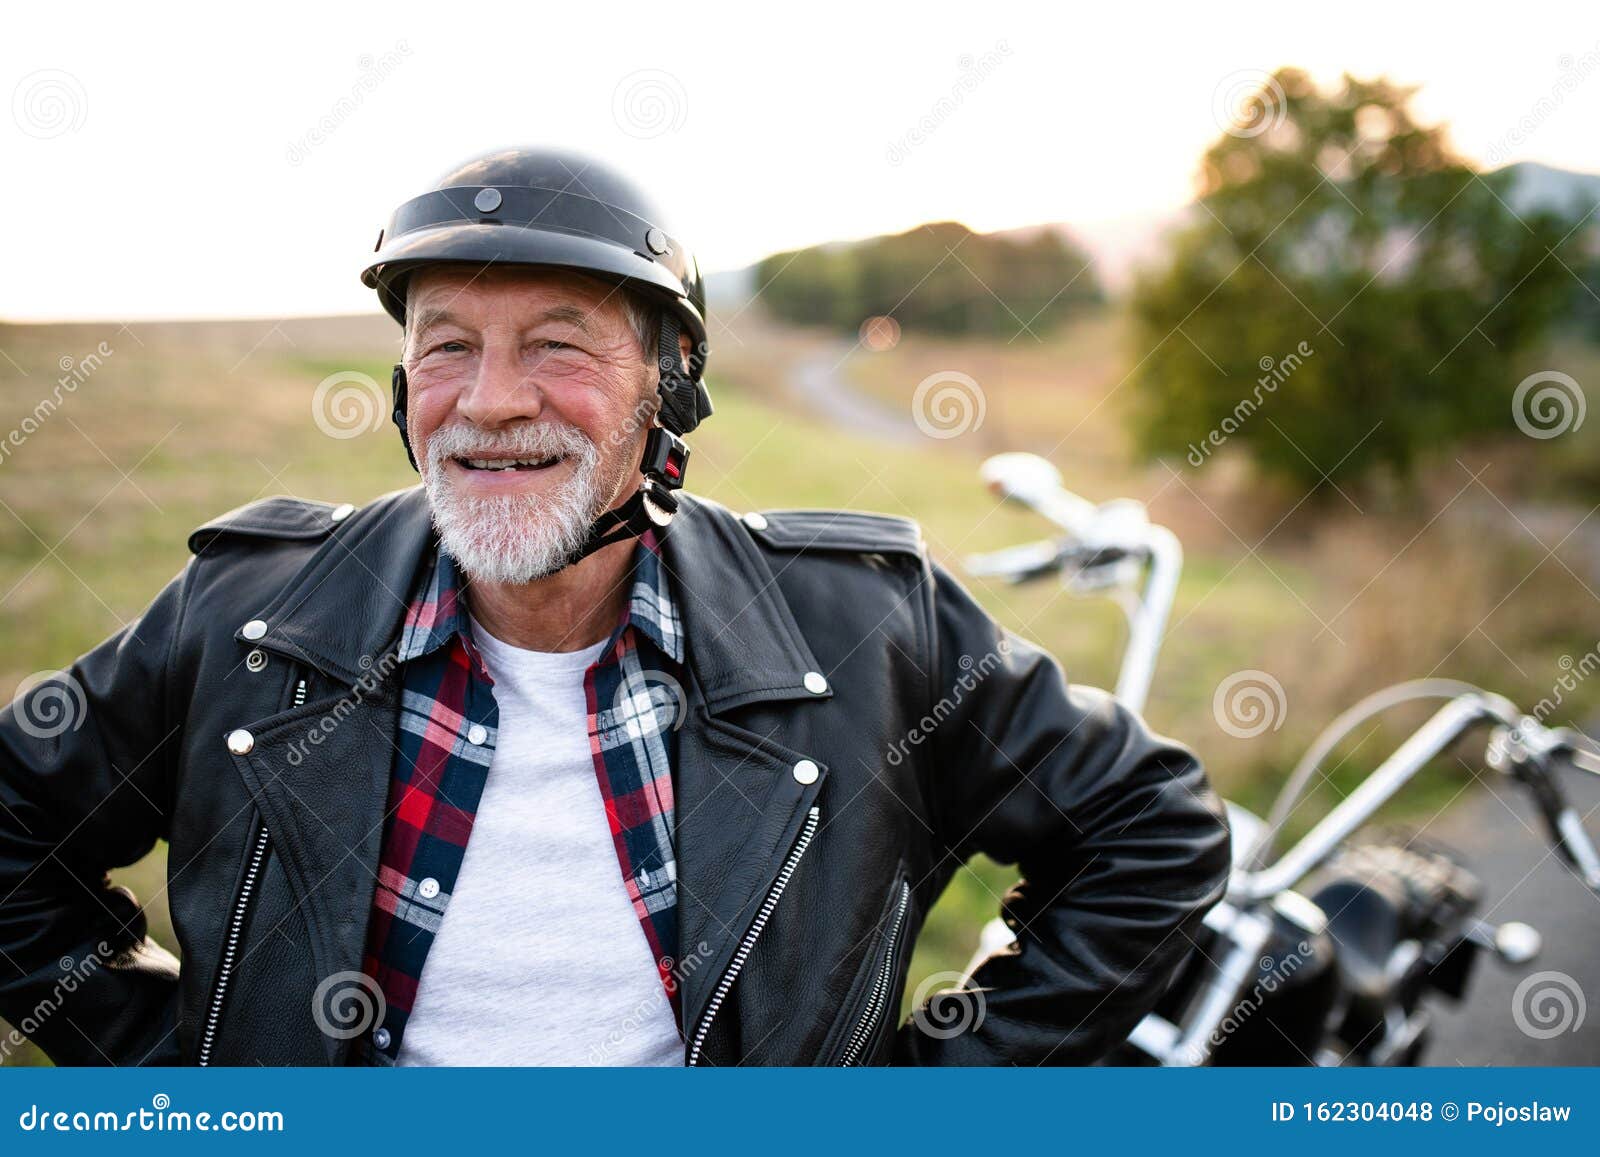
(1020, 477)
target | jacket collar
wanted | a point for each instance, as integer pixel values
(347, 607)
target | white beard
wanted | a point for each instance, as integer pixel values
(519, 537)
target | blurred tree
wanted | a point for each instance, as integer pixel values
(940, 278)
(1347, 293)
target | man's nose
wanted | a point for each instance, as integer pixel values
(502, 391)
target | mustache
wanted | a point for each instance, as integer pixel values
(528, 440)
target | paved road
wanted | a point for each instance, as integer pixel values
(818, 381)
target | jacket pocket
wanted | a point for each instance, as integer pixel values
(878, 992)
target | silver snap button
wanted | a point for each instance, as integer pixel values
(254, 629)
(806, 772)
(255, 660)
(241, 742)
(428, 889)
(341, 512)
(380, 1037)
(755, 521)
(815, 682)
(657, 241)
(477, 734)
(487, 200)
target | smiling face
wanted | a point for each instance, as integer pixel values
(528, 398)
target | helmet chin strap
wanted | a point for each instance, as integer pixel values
(684, 404)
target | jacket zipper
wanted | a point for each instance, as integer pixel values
(725, 985)
(879, 997)
(260, 842)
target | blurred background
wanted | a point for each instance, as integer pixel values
(1322, 290)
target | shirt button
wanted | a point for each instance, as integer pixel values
(806, 772)
(755, 521)
(815, 682)
(254, 629)
(477, 735)
(241, 742)
(428, 889)
(381, 1038)
(341, 512)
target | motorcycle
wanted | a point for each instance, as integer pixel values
(1331, 952)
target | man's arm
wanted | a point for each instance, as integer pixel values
(1121, 842)
(84, 787)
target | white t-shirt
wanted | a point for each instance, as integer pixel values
(540, 959)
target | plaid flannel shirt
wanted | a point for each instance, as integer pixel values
(446, 740)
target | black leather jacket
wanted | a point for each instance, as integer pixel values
(937, 736)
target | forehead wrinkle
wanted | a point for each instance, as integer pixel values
(564, 313)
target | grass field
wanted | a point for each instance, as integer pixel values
(1481, 572)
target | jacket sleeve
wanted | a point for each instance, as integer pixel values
(1121, 843)
(84, 759)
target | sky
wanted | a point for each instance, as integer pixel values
(224, 161)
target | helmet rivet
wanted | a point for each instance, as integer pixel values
(487, 200)
(657, 241)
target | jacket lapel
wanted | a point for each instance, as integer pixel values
(740, 805)
(319, 776)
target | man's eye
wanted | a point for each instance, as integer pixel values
(449, 347)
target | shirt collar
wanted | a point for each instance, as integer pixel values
(438, 613)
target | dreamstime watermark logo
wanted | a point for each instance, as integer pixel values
(73, 973)
(374, 71)
(372, 676)
(1574, 672)
(348, 1004)
(1274, 971)
(1547, 404)
(973, 672)
(948, 1012)
(348, 404)
(974, 71)
(49, 103)
(1547, 1004)
(1249, 703)
(673, 974)
(649, 103)
(74, 372)
(651, 703)
(1574, 71)
(50, 703)
(160, 1117)
(1248, 102)
(948, 404)
(1274, 372)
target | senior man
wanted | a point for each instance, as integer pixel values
(546, 761)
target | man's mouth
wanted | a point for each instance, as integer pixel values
(501, 465)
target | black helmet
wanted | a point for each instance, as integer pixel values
(543, 207)
(561, 209)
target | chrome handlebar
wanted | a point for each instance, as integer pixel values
(1112, 547)
(1519, 746)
